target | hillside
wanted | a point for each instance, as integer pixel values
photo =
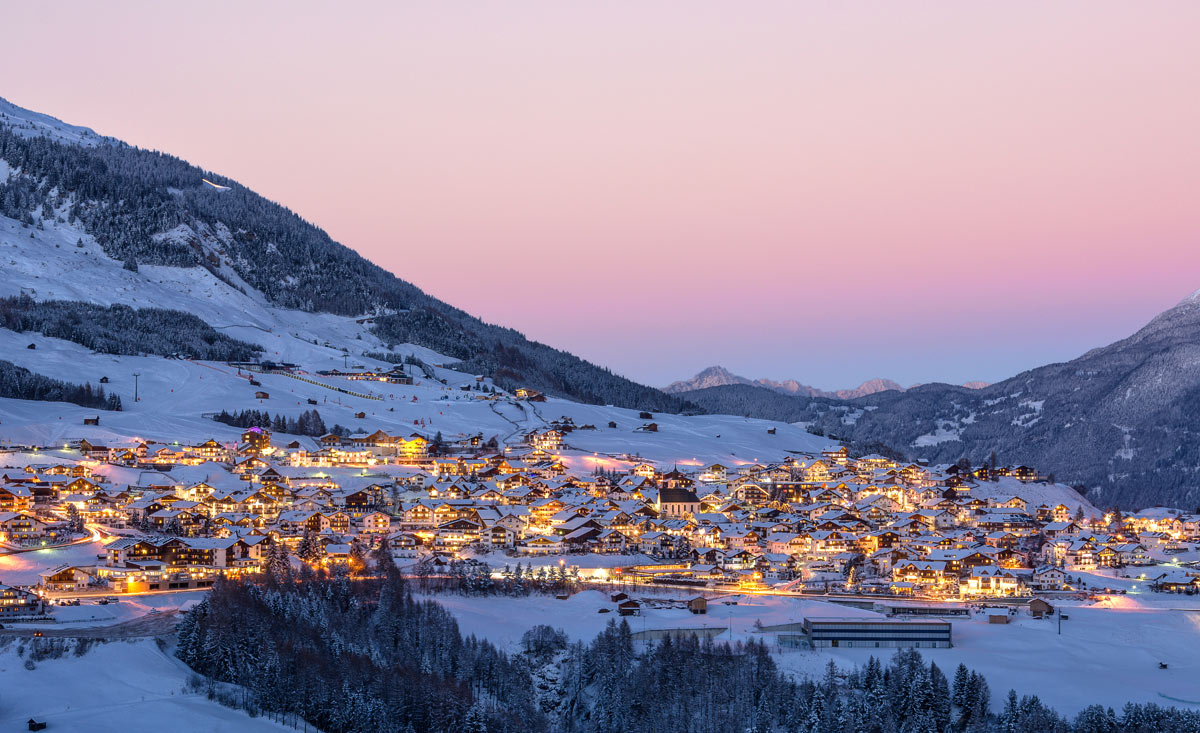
(148, 209)
(75, 320)
(752, 400)
(1123, 420)
(178, 397)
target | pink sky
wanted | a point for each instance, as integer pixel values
(827, 192)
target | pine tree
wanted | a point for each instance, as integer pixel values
(358, 557)
(385, 564)
(959, 694)
(476, 720)
(309, 549)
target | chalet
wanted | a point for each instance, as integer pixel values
(299, 522)
(256, 441)
(541, 544)
(17, 603)
(22, 527)
(1009, 502)
(66, 578)
(1175, 581)
(928, 573)
(549, 440)
(1023, 473)
(209, 450)
(1055, 529)
(93, 451)
(15, 498)
(374, 523)
(500, 536)
(989, 582)
(1048, 577)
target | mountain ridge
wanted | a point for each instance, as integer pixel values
(146, 208)
(718, 376)
(1122, 420)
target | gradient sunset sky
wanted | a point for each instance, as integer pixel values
(820, 191)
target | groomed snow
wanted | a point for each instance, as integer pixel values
(114, 688)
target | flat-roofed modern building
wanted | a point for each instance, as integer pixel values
(883, 633)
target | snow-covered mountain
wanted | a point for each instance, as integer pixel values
(147, 209)
(1122, 420)
(123, 227)
(718, 376)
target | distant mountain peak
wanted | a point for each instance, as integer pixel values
(713, 376)
(719, 376)
(1192, 299)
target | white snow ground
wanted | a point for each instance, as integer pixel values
(1106, 654)
(119, 687)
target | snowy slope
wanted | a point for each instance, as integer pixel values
(54, 259)
(116, 687)
(35, 124)
(1034, 494)
(1105, 654)
(175, 395)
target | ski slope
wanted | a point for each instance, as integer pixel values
(61, 262)
(114, 688)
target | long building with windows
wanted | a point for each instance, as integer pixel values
(881, 633)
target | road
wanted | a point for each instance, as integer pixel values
(518, 428)
(153, 624)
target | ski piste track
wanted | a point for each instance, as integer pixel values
(1179, 699)
(329, 386)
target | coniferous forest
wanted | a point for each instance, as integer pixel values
(308, 423)
(119, 329)
(21, 384)
(364, 655)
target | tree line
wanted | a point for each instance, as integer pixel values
(120, 329)
(21, 384)
(309, 422)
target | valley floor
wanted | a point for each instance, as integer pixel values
(1108, 653)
